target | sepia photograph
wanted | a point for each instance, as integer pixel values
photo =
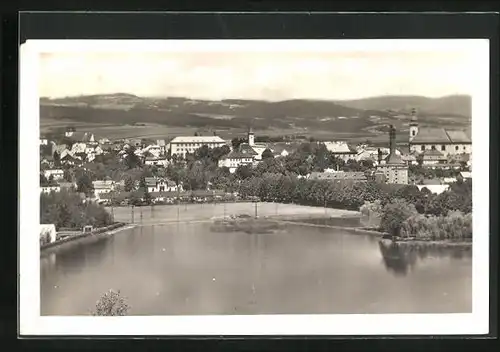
(245, 179)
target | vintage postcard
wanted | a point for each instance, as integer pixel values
(254, 187)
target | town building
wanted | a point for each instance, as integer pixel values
(182, 145)
(83, 137)
(156, 161)
(257, 148)
(158, 184)
(237, 158)
(464, 176)
(154, 150)
(101, 187)
(48, 233)
(47, 161)
(393, 166)
(283, 149)
(57, 174)
(433, 157)
(443, 140)
(79, 147)
(341, 150)
(51, 188)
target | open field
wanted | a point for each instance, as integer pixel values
(193, 212)
(158, 131)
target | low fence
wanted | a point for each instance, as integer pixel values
(82, 235)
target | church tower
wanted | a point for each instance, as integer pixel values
(413, 124)
(251, 137)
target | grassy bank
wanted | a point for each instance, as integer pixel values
(97, 233)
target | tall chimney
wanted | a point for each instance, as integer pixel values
(392, 139)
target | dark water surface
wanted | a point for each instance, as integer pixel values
(186, 269)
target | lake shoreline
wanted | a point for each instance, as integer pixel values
(293, 214)
(79, 239)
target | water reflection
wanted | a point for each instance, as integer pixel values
(74, 257)
(400, 258)
(187, 269)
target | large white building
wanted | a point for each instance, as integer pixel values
(341, 150)
(182, 145)
(447, 142)
(235, 159)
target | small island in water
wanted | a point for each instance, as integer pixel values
(245, 223)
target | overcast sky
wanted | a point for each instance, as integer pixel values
(257, 75)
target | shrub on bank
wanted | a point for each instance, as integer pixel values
(454, 226)
(371, 213)
(394, 214)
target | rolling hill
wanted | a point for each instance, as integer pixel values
(453, 105)
(364, 117)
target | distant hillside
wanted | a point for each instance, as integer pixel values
(453, 105)
(360, 117)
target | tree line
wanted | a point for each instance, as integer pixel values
(66, 209)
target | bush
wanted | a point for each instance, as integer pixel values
(454, 226)
(394, 214)
(371, 213)
(111, 304)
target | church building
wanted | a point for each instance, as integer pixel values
(446, 142)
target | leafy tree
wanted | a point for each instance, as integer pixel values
(420, 159)
(57, 159)
(65, 209)
(196, 176)
(84, 184)
(267, 154)
(143, 189)
(132, 160)
(237, 141)
(243, 172)
(68, 177)
(202, 153)
(176, 172)
(43, 180)
(394, 214)
(112, 303)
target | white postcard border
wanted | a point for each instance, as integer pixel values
(31, 323)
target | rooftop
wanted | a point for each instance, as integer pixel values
(81, 136)
(393, 158)
(246, 148)
(440, 135)
(339, 147)
(198, 139)
(431, 152)
(102, 184)
(466, 174)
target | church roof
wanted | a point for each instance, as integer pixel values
(440, 135)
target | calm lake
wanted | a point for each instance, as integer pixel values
(184, 269)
